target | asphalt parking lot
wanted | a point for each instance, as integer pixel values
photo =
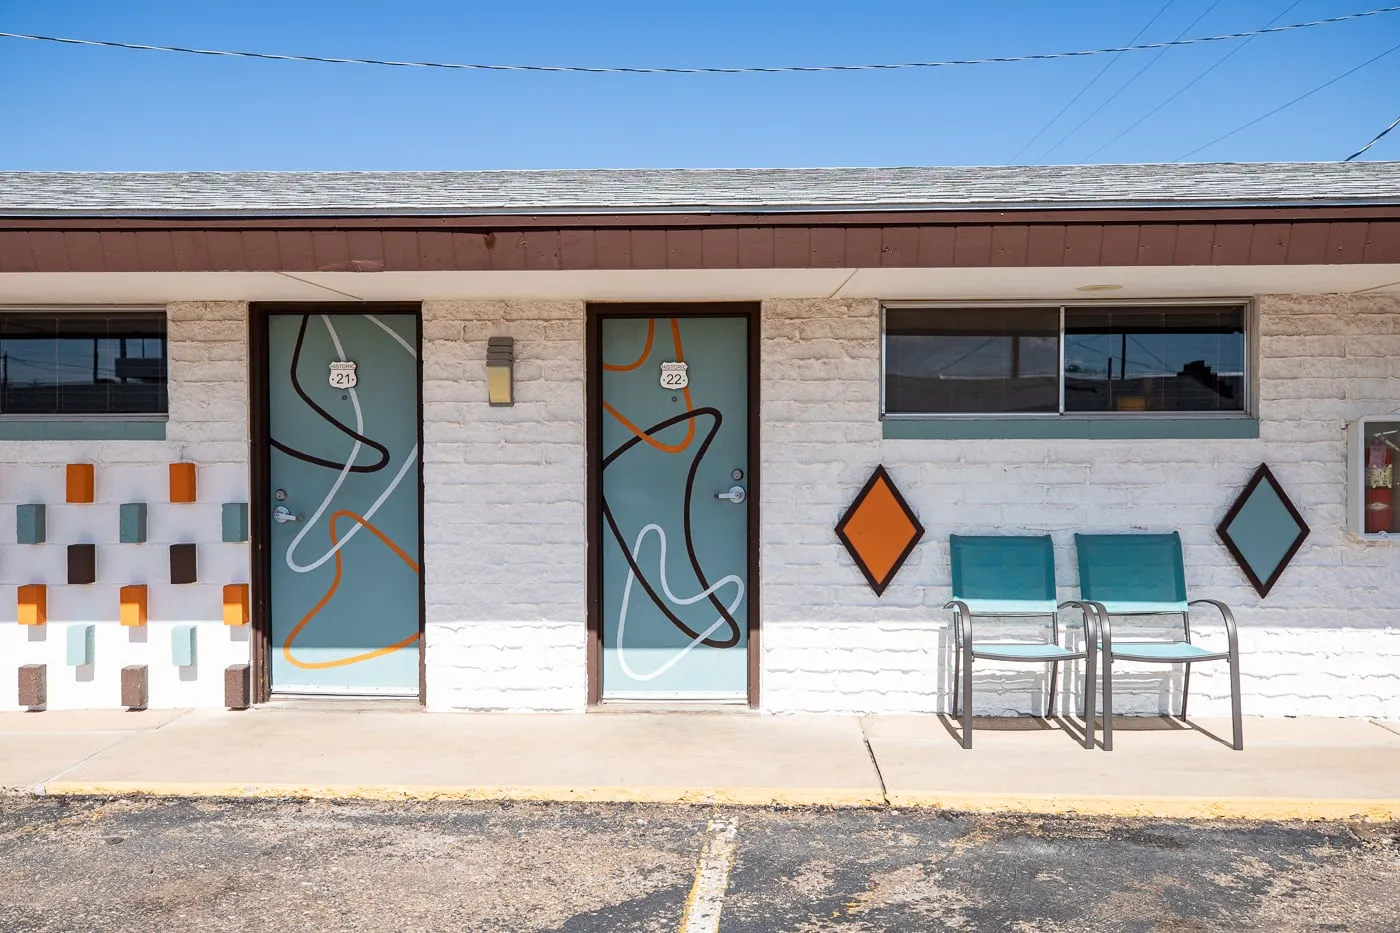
(83, 864)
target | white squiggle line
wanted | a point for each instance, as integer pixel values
(392, 333)
(345, 471)
(666, 588)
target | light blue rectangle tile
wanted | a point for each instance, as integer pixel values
(235, 521)
(133, 523)
(30, 524)
(80, 639)
(182, 645)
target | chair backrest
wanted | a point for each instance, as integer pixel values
(1004, 574)
(1132, 573)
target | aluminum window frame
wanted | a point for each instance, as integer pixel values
(94, 310)
(1248, 410)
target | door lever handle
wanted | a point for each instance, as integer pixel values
(735, 494)
(281, 515)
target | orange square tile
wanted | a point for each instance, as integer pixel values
(80, 482)
(133, 600)
(33, 604)
(236, 604)
(182, 482)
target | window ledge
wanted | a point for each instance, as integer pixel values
(105, 429)
(1100, 428)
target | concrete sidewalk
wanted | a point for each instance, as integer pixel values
(1291, 768)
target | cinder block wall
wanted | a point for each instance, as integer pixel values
(1325, 642)
(504, 490)
(208, 426)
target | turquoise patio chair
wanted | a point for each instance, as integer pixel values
(1142, 575)
(1007, 576)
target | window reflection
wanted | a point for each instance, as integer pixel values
(82, 364)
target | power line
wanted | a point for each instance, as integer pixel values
(1126, 84)
(783, 69)
(1301, 97)
(1092, 81)
(1374, 139)
(1188, 85)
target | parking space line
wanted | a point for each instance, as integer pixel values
(706, 900)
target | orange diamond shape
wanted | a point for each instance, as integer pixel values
(879, 530)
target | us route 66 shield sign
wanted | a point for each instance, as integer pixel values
(674, 375)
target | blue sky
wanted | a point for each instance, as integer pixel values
(104, 109)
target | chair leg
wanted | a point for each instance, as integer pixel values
(1089, 688)
(957, 675)
(1235, 712)
(1054, 677)
(1107, 702)
(967, 697)
(1185, 690)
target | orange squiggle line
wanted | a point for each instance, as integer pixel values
(689, 425)
(335, 584)
(646, 352)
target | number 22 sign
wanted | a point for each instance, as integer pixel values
(675, 375)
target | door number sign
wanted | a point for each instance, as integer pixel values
(343, 375)
(674, 375)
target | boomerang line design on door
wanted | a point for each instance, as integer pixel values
(378, 620)
(645, 490)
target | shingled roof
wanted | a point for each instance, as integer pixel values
(649, 191)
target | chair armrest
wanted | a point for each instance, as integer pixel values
(1231, 633)
(1105, 627)
(962, 619)
(1091, 628)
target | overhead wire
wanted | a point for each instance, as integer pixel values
(1126, 84)
(1188, 85)
(1374, 139)
(1301, 97)
(779, 69)
(1092, 81)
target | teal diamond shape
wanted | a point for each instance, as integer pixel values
(1263, 530)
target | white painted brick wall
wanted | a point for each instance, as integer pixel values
(1325, 642)
(207, 426)
(505, 538)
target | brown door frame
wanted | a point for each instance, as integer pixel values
(596, 312)
(260, 513)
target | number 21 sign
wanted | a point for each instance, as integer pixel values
(343, 375)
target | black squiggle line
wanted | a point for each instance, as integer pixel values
(309, 458)
(734, 633)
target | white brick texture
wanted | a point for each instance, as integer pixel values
(208, 426)
(1325, 642)
(504, 488)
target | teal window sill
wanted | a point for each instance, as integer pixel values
(1109, 428)
(82, 430)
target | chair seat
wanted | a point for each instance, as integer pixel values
(1023, 652)
(1164, 651)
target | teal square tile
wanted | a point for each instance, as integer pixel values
(235, 521)
(80, 639)
(133, 523)
(182, 645)
(30, 524)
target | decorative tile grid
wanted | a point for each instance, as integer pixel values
(1263, 530)
(32, 598)
(879, 530)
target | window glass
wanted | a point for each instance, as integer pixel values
(972, 360)
(1157, 359)
(82, 364)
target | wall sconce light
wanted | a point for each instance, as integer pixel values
(500, 370)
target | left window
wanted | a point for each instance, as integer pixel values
(76, 364)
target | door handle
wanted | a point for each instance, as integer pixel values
(735, 494)
(281, 515)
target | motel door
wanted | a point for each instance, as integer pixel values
(343, 498)
(675, 507)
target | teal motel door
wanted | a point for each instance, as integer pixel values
(675, 507)
(343, 485)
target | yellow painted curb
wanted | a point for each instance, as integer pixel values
(732, 796)
(1194, 808)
